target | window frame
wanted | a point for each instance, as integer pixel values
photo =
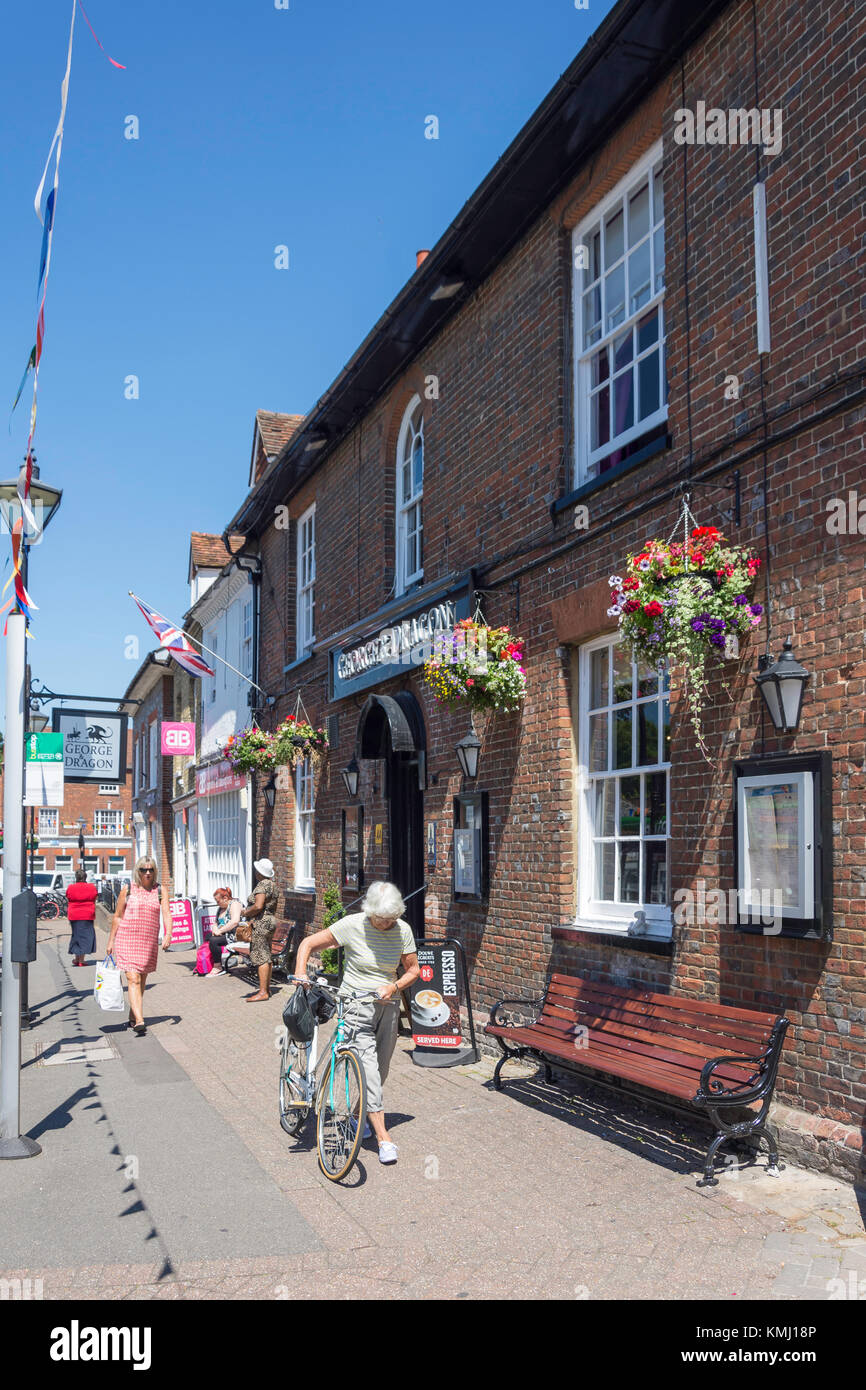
(153, 752)
(305, 845)
(586, 460)
(404, 580)
(305, 583)
(598, 914)
(105, 829)
(53, 814)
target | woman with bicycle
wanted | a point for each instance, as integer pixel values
(379, 957)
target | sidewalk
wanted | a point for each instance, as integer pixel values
(165, 1174)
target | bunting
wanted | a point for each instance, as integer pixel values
(22, 599)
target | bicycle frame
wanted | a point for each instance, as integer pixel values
(309, 1081)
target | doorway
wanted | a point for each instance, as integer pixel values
(406, 821)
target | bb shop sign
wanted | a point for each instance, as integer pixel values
(408, 642)
(94, 744)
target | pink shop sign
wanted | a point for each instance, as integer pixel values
(219, 777)
(178, 740)
(182, 926)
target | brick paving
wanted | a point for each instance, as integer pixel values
(531, 1193)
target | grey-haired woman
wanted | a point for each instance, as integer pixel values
(379, 955)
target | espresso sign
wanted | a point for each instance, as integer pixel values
(435, 999)
(94, 744)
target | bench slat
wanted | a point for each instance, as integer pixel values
(630, 1069)
(656, 1017)
(639, 1025)
(676, 1001)
(701, 1045)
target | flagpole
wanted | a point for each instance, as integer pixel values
(209, 650)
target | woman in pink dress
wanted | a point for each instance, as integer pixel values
(135, 928)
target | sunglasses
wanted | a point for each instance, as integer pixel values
(148, 871)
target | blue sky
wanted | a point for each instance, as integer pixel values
(258, 127)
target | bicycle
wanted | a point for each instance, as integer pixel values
(339, 1097)
(49, 907)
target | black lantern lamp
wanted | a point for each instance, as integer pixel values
(468, 750)
(351, 776)
(782, 685)
(271, 791)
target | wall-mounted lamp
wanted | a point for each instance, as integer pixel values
(782, 685)
(351, 776)
(467, 751)
(271, 791)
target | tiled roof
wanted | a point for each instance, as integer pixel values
(208, 552)
(276, 430)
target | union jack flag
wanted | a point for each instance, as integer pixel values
(174, 641)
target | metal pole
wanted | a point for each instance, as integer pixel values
(12, 1143)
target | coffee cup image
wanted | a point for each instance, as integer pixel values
(429, 1008)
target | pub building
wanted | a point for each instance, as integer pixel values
(618, 323)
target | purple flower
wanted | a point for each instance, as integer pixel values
(717, 639)
(757, 609)
(741, 598)
(696, 625)
(717, 623)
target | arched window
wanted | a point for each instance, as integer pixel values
(410, 488)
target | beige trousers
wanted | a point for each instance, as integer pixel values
(371, 1027)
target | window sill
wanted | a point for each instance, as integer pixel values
(308, 889)
(657, 446)
(592, 930)
(299, 661)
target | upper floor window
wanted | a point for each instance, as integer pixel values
(108, 823)
(619, 270)
(247, 638)
(305, 849)
(108, 788)
(306, 582)
(153, 752)
(410, 490)
(47, 824)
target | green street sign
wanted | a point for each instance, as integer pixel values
(44, 748)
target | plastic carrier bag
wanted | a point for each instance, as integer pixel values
(108, 986)
(299, 1018)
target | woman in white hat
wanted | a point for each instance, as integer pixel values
(259, 912)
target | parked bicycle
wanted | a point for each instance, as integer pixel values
(338, 1096)
(52, 905)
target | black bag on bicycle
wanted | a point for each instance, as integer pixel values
(323, 1006)
(299, 1018)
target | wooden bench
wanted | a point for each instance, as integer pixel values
(284, 947)
(662, 1041)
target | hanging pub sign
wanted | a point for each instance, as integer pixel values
(94, 744)
(435, 1000)
(393, 644)
(783, 845)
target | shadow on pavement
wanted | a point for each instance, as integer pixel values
(670, 1143)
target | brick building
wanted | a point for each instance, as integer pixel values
(152, 774)
(579, 351)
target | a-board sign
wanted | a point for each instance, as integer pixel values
(435, 1000)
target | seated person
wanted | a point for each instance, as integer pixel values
(228, 920)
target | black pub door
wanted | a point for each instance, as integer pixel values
(406, 815)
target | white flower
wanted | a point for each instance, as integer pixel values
(644, 565)
(613, 612)
(614, 581)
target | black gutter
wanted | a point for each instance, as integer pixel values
(627, 56)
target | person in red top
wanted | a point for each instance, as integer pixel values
(81, 897)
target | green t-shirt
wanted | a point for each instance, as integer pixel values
(371, 956)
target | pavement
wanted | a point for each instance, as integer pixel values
(165, 1175)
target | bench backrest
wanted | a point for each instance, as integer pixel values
(661, 1027)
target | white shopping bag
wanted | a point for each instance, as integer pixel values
(108, 989)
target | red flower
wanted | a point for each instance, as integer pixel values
(708, 534)
(631, 584)
(470, 681)
(631, 605)
(653, 609)
(698, 557)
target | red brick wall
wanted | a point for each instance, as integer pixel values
(496, 456)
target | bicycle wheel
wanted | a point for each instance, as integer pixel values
(341, 1111)
(48, 909)
(293, 1067)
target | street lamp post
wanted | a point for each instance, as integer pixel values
(13, 1144)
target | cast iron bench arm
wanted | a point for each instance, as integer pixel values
(739, 1092)
(536, 1003)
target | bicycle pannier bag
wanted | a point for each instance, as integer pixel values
(298, 1017)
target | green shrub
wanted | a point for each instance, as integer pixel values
(332, 900)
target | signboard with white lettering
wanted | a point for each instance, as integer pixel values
(43, 770)
(398, 646)
(94, 747)
(177, 740)
(435, 1005)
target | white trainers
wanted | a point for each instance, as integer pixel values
(216, 972)
(387, 1152)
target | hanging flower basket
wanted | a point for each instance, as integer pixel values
(252, 750)
(477, 667)
(297, 739)
(683, 604)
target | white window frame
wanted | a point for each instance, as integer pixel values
(108, 823)
(37, 863)
(108, 788)
(153, 750)
(247, 637)
(305, 847)
(115, 860)
(64, 864)
(587, 460)
(49, 814)
(305, 583)
(596, 914)
(405, 444)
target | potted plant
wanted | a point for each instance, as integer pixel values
(252, 750)
(297, 739)
(477, 667)
(332, 900)
(684, 604)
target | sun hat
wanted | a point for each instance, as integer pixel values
(264, 867)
